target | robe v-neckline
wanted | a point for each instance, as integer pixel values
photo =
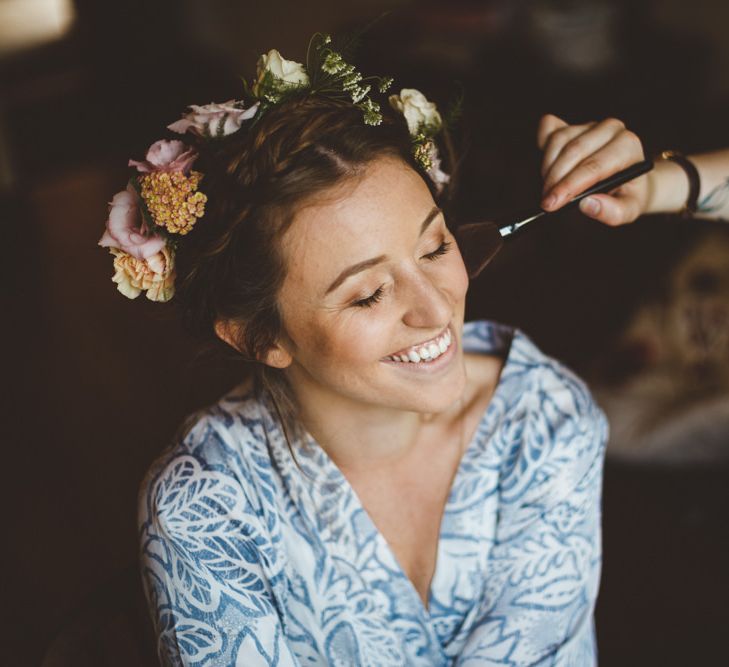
(334, 497)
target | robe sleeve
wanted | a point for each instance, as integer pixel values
(544, 568)
(210, 572)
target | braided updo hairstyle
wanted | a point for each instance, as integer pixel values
(231, 269)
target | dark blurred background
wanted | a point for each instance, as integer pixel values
(97, 384)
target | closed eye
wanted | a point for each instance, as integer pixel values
(442, 249)
(370, 300)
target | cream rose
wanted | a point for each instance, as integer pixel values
(418, 112)
(287, 71)
(155, 274)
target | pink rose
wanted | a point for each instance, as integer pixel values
(166, 155)
(214, 120)
(126, 230)
(436, 174)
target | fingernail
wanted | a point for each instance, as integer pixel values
(590, 206)
(550, 201)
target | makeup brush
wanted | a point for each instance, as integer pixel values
(479, 242)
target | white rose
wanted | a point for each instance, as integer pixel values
(418, 112)
(214, 120)
(288, 71)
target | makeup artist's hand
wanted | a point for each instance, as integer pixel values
(578, 156)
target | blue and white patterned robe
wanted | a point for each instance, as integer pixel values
(246, 561)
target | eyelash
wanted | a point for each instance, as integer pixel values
(442, 249)
(371, 300)
(376, 296)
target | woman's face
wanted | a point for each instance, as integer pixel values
(375, 276)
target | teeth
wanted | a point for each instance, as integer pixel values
(426, 352)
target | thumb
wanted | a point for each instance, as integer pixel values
(610, 210)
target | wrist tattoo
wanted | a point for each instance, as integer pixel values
(716, 200)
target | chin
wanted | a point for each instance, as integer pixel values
(434, 382)
(429, 395)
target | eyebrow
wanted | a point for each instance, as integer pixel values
(368, 263)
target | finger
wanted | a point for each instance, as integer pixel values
(579, 147)
(548, 124)
(556, 142)
(611, 210)
(625, 149)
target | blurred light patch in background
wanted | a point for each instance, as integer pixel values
(28, 23)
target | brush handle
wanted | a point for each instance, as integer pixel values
(614, 181)
(606, 185)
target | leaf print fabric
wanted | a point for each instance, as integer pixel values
(250, 558)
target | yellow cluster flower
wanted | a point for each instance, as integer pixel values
(424, 153)
(173, 200)
(155, 275)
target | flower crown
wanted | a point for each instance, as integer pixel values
(162, 201)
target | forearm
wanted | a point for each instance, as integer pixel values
(668, 186)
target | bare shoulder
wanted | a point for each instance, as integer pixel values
(483, 372)
(482, 376)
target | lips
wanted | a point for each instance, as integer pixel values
(426, 351)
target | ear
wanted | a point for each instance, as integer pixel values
(276, 356)
(228, 333)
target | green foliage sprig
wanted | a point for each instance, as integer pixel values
(331, 75)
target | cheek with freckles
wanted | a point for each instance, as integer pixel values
(352, 346)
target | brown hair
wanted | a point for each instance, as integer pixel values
(230, 268)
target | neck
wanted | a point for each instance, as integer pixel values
(365, 437)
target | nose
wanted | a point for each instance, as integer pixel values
(426, 305)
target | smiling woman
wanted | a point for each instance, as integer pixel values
(408, 292)
(392, 487)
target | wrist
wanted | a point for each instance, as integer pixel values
(668, 188)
